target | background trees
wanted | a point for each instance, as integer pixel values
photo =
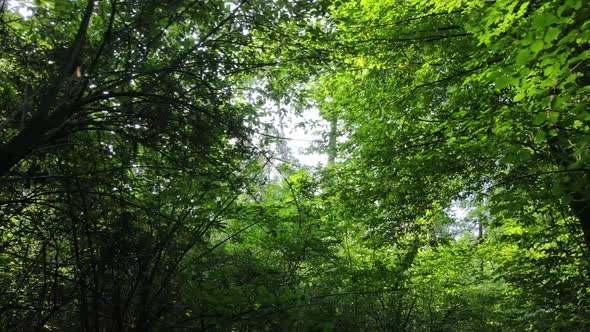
(123, 143)
(445, 101)
(137, 192)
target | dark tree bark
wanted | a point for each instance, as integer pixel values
(48, 119)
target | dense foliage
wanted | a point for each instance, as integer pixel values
(146, 183)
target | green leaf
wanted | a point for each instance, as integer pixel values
(502, 82)
(540, 137)
(543, 20)
(524, 56)
(537, 46)
(540, 118)
(518, 97)
(553, 117)
(551, 34)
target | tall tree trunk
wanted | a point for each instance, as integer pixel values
(48, 117)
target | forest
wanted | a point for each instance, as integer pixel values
(150, 178)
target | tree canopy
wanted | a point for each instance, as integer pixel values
(147, 180)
